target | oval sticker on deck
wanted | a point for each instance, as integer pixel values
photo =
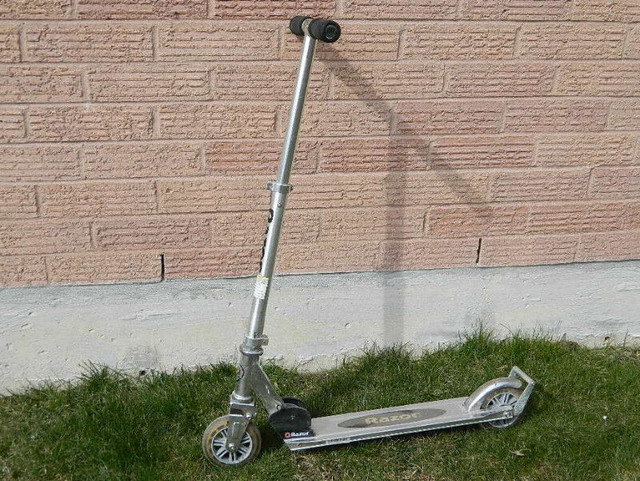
(390, 418)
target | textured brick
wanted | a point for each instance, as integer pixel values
(426, 188)
(528, 250)
(577, 150)
(40, 84)
(220, 194)
(459, 41)
(546, 115)
(407, 9)
(532, 218)
(477, 220)
(11, 124)
(39, 162)
(448, 117)
(329, 257)
(88, 42)
(632, 214)
(248, 228)
(153, 233)
(265, 81)
(203, 121)
(516, 9)
(104, 268)
(533, 185)
(624, 115)
(606, 10)
(574, 217)
(207, 41)
(572, 41)
(389, 173)
(599, 79)
(240, 229)
(9, 43)
(609, 246)
(371, 155)
(371, 224)
(481, 152)
(32, 9)
(359, 41)
(615, 182)
(92, 122)
(406, 80)
(633, 43)
(336, 190)
(43, 237)
(281, 9)
(500, 79)
(17, 201)
(138, 9)
(212, 263)
(253, 157)
(145, 83)
(428, 254)
(22, 271)
(97, 199)
(130, 160)
(335, 119)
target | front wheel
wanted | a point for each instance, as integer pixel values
(502, 397)
(215, 438)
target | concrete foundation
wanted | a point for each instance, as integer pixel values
(313, 320)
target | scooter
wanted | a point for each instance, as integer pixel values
(233, 440)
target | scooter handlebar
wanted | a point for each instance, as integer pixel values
(326, 31)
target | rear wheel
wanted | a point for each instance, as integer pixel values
(503, 397)
(215, 438)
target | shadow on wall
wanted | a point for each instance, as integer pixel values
(397, 252)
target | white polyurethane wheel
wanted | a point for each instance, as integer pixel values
(503, 397)
(215, 437)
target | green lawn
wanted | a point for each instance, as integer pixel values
(582, 422)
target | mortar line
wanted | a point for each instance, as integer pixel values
(555, 80)
(154, 42)
(47, 269)
(203, 159)
(155, 122)
(625, 43)
(516, 42)
(248, 102)
(38, 195)
(92, 236)
(80, 162)
(22, 43)
(401, 41)
(84, 85)
(26, 129)
(156, 196)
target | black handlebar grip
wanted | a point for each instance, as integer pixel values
(324, 30)
(295, 25)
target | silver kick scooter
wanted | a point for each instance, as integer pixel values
(233, 440)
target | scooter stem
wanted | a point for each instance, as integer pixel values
(279, 190)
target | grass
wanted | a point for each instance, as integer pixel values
(582, 422)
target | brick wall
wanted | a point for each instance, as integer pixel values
(136, 136)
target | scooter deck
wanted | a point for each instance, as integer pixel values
(393, 421)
